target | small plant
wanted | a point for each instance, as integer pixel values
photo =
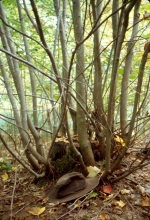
(4, 165)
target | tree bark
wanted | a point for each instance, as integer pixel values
(98, 92)
(35, 133)
(113, 84)
(80, 87)
(65, 67)
(127, 72)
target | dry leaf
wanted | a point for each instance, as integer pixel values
(146, 202)
(102, 216)
(125, 191)
(93, 171)
(62, 139)
(119, 140)
(37, 210)
(107, 189)
(4, 177)
(45, 199)
(1, 160)
(140, 188)
(77, 204)
(108, 198)
(120, 203)
(18, 168)
(13, 168)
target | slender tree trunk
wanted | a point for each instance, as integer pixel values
(65, 67)
(127, 72)
(135, 109)
(22, 131)
(80, 87)
(113, 84)
(35, 133)
(97, 96)
(15, 72)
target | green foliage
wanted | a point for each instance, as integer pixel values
(9, 3)
(93, 195)
(4, 165)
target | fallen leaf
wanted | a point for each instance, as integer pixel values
(62, 139)
(13, 168)
(120, 203)
(108, 198)
(45, 199)
(125, 191)
(119, 140)
(77, 203)
(147, 214)
(107, 189)
(4, 177)
(102, 216)
(1, 160)
(140, 188)
(92, 195)
(18, 168)
(37, 210)
(93, 171)
(145, 201)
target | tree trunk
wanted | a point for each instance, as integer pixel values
(65, 68)
(35, 133)
(97, 96)
(80, 88)
(127, 72)
(113, 83)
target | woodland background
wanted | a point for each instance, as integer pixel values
(74, 96)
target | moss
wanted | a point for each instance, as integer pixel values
(64, 165)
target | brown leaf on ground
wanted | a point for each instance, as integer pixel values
(37, 210)
(145, 202)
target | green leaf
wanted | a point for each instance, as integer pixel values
(92, 195)
(4, 165)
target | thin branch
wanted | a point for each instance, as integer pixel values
(20, 32)
(20, 160)
(12, 197)
(30, 18)
(27, 63)
(42, 37)
(30, 148)
(128, 172)
(75, 206)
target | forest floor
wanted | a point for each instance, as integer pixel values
(127, 199)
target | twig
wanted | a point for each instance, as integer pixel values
(27, 63)
(75, 206)
(136, 183)
(80, 198)
(20, 32)
(131, 206)
(19, 159)
(8, 197)
(128, 172)
(13, 192)
(22, 208)
(97, 217)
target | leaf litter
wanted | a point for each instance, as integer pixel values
(127, 199)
